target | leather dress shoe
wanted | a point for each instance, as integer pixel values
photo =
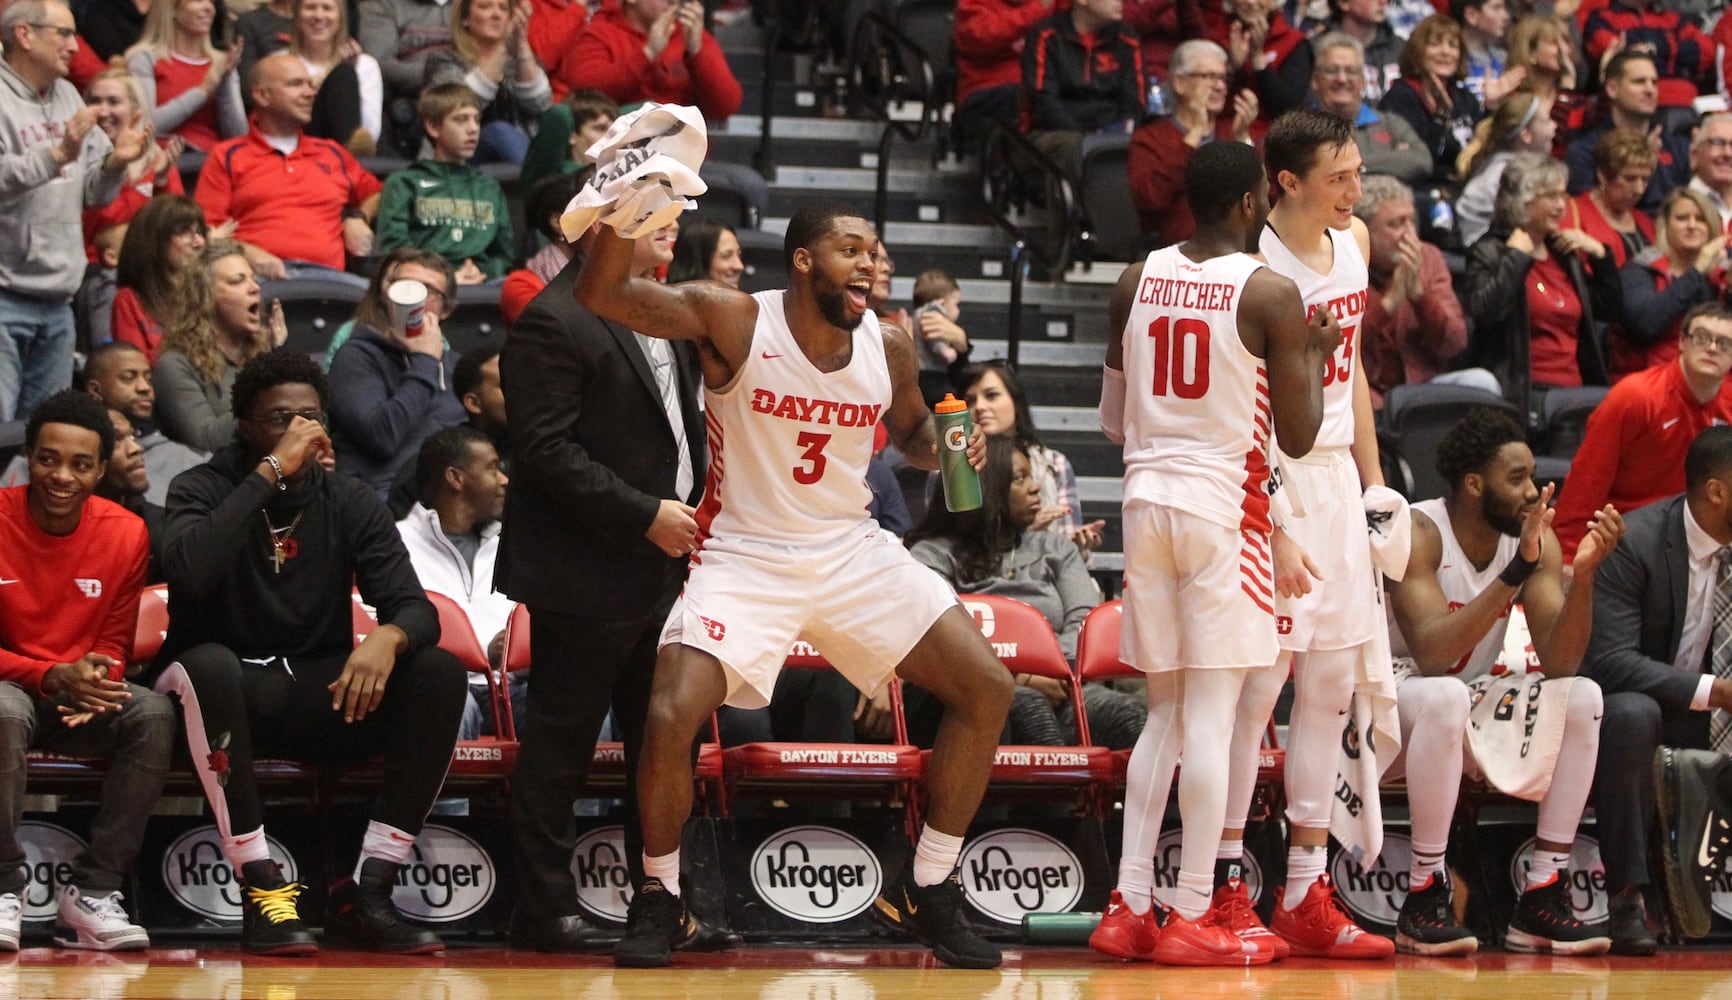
(559, 934)
(1628, 925)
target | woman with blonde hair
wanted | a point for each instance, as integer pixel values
(1545, 50)
(490, 55)
(350, 106)
(1522, 123)
(1684, 268)
(190, 86)
(119, 102)
(216, 324)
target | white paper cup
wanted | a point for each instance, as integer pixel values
(407, 300)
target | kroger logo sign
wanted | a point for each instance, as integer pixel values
(447, 877)
(48, 854)
(201, 880)
(1587, 875)
(1374, 895)
(817, 874)
(599, 868)
(1167, 870)
(1011, 872)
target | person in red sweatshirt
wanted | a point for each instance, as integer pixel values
(652, 50)
(987, 42)
(71, 568)
(1633, 452)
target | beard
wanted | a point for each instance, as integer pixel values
(833, 306)
(1504, 519)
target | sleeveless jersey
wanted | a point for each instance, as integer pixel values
(1197, 420)
(1462, 583)
(1342, 291)
(788, 443)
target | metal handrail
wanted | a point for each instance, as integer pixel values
(790, 23)
(885, 66)
(1010, 165)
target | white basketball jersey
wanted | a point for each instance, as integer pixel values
(1197, 420)
(1342, 291)
(788, 443)
(1461, 583)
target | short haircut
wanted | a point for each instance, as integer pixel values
(373, 310)
(811, 221)
(438, 102)
(932, 285)
(1219, 177)
(1377, 190)
(1427, 33)
(1701, 133)
(1704, 310)
(1188, 52)
(1329, 41)
(1524, 176)
(74, 407)
(1294, 142)
(102, 353)
(1615, 67)
(548, 198)
(1474, 441)
(1619, 148)
(271, 369)
(23, 12)
(1709, 457)
(466, 377)
(589, 104)
(443, 450)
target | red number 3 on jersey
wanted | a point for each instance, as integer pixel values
(1341, 366)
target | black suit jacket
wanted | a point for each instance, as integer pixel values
(592, 457)
(1639, 598)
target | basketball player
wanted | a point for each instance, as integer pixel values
(1326, 606)
(794, 383)
(1475, 553)
(1213, 352)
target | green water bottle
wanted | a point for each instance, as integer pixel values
(961, 482)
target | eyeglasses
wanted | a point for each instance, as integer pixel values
(66, 34)
(281, 419)
(1211, 77)
(1715, 142)
(1709, 342)
(1347, 71)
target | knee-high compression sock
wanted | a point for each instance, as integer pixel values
(1148, 783)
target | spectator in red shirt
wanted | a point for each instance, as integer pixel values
(190, 85)
(298, 202)
(74, 565)
(1681, 52)
(161, 241)
(988, 44)
(1161, 149)
(652, 50)
(1633, 452)
(1687, 268)
(1624, 165)
(552, 27)
(119, 103)
(1413, 327)
(1711, 165)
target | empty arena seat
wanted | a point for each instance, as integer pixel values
(1417, 417)
(495, 755)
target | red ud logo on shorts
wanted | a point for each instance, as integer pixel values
(715, 628)
(1283, 625)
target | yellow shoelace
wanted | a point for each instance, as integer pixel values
(277, 905)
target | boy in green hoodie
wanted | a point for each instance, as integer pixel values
(444, 205)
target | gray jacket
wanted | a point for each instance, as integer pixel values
(41, 204)
(401, 34)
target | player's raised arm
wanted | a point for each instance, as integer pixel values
(685, 311)
(1295, 353)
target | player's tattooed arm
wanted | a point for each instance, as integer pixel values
(908, 420)
(689, 311)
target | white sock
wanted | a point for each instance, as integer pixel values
(384, 842)
(935, 856)
(1426, 859)
(245, 848)
(1545, 867)
(1195, 892)
(1230, 850)
(1136, 881)
(1304, 868)
(666, 868)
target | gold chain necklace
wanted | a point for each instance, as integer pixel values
(283, 544)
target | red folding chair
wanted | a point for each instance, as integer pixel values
(487, 756)
(152, 627)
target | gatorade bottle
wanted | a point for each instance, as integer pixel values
(961, 482)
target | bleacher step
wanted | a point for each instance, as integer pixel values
(925, 234)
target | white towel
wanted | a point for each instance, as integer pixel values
(634, 193)
(674, 129)
(1391, 528)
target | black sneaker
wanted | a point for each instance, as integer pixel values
(1427, 924)
(1545, 921)
(934, 915)
(656, 920)
(270, 914)
(361, 912)
(1628, 926)
(1697, 830)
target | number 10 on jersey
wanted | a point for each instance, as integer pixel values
(1181, 357)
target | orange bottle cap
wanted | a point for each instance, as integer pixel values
(950, 404)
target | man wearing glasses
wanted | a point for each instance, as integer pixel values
(1633, 452)
(261, 546)
(1387, 142)
(1711, 164)
(53, 164)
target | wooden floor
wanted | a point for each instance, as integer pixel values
(857, 974)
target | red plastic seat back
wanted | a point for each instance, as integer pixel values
(517, 639)
(1098, 649)
(152, 627)
(457, 634)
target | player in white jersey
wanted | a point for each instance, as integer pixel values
(1212, 353)
(794, 383)
(1326, 605)
(1476, 553)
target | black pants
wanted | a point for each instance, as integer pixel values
(239, 711)
(582, 666)
(1632, 728)
(337, 108)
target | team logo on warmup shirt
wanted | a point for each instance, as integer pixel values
(89, 587)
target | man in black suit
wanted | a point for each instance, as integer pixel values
(1652, 653)
(598, 526)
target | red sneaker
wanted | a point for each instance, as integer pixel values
(1231, 909)
(1204, 943)
(1319, 928)
(1122, 933)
